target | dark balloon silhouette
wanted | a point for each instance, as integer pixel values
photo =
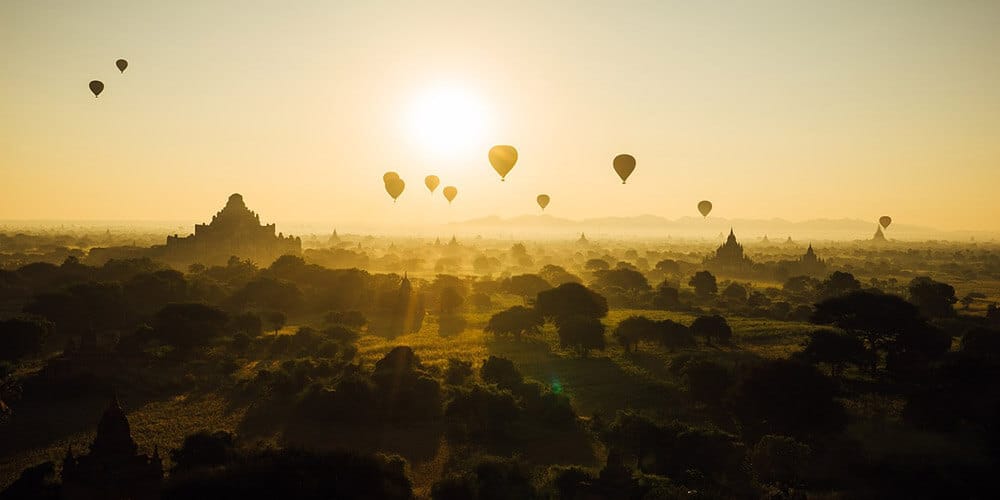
(450, 192)
(432, 182)
(503, 159)
(704, 207)
(389, 176)
(885, 220)
(121, 64)
(543, 200)
(624, 165)
(96, 86)
(394, 186)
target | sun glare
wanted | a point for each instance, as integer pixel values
(447, 120)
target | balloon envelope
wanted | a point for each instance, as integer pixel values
(121, 64)
(394, 187)
(450, 192)
(624, 165)
(503, 159)
(97, 87)
(704, 207)
(389, 176)
(432, 182)
(543, 200)
(885, 220)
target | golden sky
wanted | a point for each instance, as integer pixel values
(792, 109)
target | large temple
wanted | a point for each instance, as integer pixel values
(114, 468)
(234, 231)
(729, 258)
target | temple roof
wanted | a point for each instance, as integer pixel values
(114, 435)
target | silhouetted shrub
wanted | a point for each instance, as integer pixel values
(708, 382)
(787, 397)
(712, 327)
(481, 413)
(779, 459)
(457, 372)
(833, 348)
(502, 372)
(581, 333)
(295, 474)
(516, 321)
(203, 449)
(22, 336)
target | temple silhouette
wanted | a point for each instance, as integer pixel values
(234, 231)
(114, 468)
(879, 236)
(729, 258)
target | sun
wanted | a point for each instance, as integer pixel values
(448, 121)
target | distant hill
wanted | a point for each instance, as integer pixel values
(777, 230)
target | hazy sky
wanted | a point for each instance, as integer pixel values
(794, 109)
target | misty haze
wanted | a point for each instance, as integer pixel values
(526, 250)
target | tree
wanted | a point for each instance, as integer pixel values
(833, 348)
(276, 319)
(502, 372)
(189, 325)
(634, 329)
(981, 342)
(248, 324)
(673, 335)
(839, 283)
(451, 300)
(22, 336)
(149, 292)
(779, 459)
(787, 397)
(970, 298)
(481, 301)
(581, 333)
(712, 327)
(203, 449)
(571, 299)
(704, 284)
(268, 293)
(626, 279)
(666, 296)
(481, 413)
(525, 285)
(668, 266)
(800, 284)
(515, 321)
(735, 292)
(935, 299)
(876, 318)
(597, 265)
(707, 381)
(557, 275)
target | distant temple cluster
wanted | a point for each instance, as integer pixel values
(113, 468)
(235, 230)
(729, 258)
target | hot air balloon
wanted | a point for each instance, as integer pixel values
(704, 207)
(389, 176)
(121, 64)
(96, 86)
(394, 186)
(624, 165)
(885, 220)
(450, 192)
(503, 159)
(432, 182)
(543, 200)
